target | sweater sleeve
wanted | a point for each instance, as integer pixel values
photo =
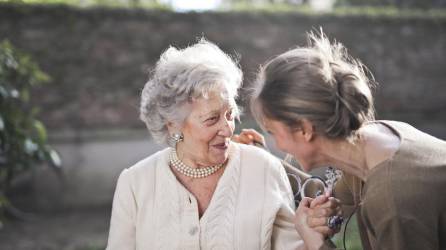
(284, 235)
(122, 224)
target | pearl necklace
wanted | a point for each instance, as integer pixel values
(191, 172)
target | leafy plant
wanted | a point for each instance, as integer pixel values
(23, 138)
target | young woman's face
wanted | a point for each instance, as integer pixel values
(207, 131)
(292, 142)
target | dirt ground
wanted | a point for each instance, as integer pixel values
(85, 229)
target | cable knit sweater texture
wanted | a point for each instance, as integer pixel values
(251, 208)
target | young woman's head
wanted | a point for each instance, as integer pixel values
(318, 88)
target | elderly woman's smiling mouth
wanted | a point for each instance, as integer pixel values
(221, 146)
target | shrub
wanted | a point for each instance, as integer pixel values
(23, 138)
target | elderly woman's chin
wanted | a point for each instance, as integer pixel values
(220, 152)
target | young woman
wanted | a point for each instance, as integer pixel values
(316, 102)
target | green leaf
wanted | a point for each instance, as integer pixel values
(40, 131)
(11, 63)
(41, 77)
(24, 95)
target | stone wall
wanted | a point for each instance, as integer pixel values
(99, 58)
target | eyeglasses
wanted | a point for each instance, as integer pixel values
(310, 187)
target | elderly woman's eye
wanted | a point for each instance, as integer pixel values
(213, 118)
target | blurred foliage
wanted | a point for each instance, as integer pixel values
(149, 4)
(424, 4)
(372, 8)
(256, 5)
(23, 138)
(342, 10)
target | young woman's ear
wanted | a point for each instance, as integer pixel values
(307, 130)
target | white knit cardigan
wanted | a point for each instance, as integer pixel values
(251, 208)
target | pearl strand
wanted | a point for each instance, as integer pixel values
(191, 172)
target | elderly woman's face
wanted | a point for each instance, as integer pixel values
(207, 131)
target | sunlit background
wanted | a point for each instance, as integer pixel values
(83, 63)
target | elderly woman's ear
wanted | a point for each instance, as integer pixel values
(173, 128)
(170, 127)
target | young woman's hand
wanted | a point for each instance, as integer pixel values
(311, 220)
(250, 137)
(322, 208)
(312, 238)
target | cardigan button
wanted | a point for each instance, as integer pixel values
(193, 230)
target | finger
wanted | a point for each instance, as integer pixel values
(316, 222)
(300, 217)
(331, 202)
(242, 138)
(236, 138)
(326, 231)
(250, 138)
(328, 192)
(322, 212)
(305, 202)
(255, 135)
(321, 199)
(245, 140)
(252, 132)
(321, 215)
(247, 137)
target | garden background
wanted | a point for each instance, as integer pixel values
(97, 55)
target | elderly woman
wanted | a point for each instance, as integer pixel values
(317, 104)
(204, 191)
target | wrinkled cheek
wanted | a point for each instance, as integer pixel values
(219, 156)
(232, 126)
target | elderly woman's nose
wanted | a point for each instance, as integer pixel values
(226, 128)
